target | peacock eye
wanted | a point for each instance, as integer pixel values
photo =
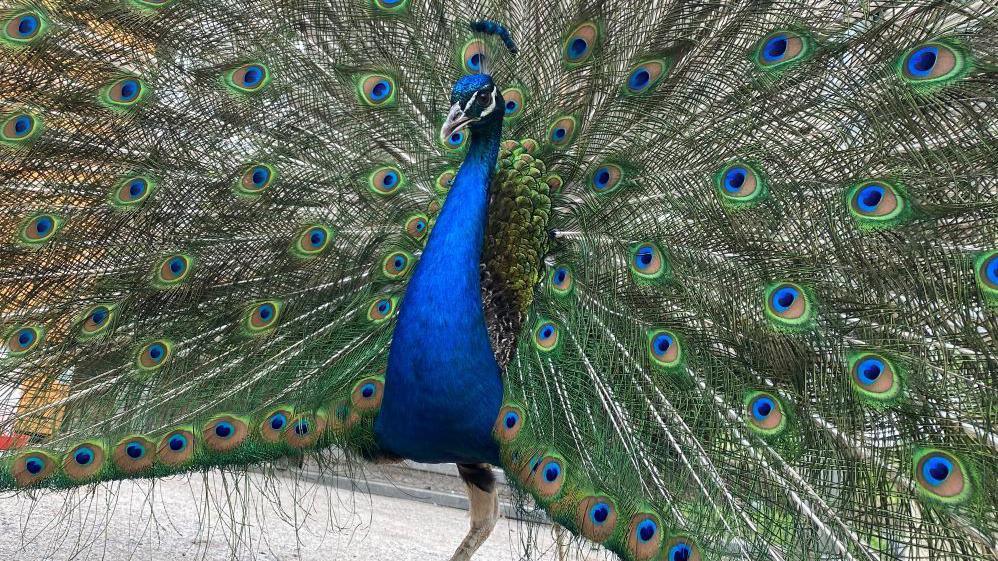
(484, 98)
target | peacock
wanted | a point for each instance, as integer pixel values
(707, 280)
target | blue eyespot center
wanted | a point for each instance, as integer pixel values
(278, 421)
(134, 450)
(301, 427)
(224, 429)
(639, 79)
(784, 298)
(456, 138)
(775, 48)
(156, 351)
(43, 225)
(368, 390)
(266, 311)
(34, 465)
(560, 275)
(511, 419)
(136, 188)
(177, 265)
(27, 26)
(762, 407)
(644, 257)
(475, 62)
(602, 177)
(83, 456)
(23, 125)
(253, 76)
(599, 513)
(260, 176)
(646, 530)
(25, 336)
(559, 133)
(177, 442)
(129, 90)
(381, 90)
(869, 197)
(390, 179)
(552, 471)
(577, 48)
(921, 62)
(99, 315)
(991, 270)
(734, 179)
(680, 552)
(383, 306)
(547, 331)
(936, 469)
(662, 343)
(870, 369)
(511, 106)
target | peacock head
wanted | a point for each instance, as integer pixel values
(476, 103)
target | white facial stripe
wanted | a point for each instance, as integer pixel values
(492, 105)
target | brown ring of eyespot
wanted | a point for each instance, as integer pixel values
(796, 309)
(951, 486)
(588, 529)
(170, 457)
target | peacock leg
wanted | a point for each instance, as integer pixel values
(484, 500)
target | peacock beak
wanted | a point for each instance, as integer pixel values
(456, 120)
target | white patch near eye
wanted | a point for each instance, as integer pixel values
(492, 105)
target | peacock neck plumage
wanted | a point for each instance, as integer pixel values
(443, 388)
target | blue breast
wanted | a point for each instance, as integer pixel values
(443, 388)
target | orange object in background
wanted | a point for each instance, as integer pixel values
(34, 419)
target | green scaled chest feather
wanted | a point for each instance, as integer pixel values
(516, 240)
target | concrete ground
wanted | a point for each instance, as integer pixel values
(192, 518)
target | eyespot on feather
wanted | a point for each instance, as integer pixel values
(134, 454)
(173, 270)
(782, 48)
(261, 317)
(376, 90)
(224, 433)
(386, 180)
(382, 309)
(740, 185)
(32, 467)
(313, 240)
(123, 93)
(561, 280)
(789, 306)
(154, 355)
(606, 178)
(508, 424)
(456, 141)
(647, 263)
(396, 264)
(131, 192)
(874, 376)
(681, 548)
(96, 321)
(255, 179)
(20, 127)
(934, 64)
(548, 476)
(596, 518)
(562, 131)
(391, 6)
(579, 44)
(23, 28)
(473, 56)
(248, 78)
(39, 228)
(444, 181)
(416, 226)
(941, 476)
(986, 274)
(645, 76)
(366, 395)
(340, 416)
(644, 536)
(764, 414)
(664, 348)
(83, 461)
(514, 102)
(877, 204)
(546, 335)
(274, 423)
(176, 448)
(303, 431)
(24, 339)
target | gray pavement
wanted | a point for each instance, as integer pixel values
(289, 517)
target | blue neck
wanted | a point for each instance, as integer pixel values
(443, 388)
